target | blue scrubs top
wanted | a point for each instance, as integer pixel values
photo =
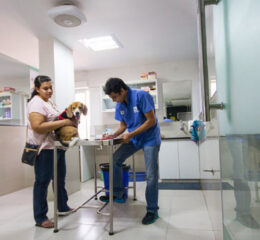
(139, 102)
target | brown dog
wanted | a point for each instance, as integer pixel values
(68, 133)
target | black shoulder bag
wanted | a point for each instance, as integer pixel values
(30, 151)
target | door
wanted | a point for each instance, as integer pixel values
(237, 60)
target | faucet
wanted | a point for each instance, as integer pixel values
(184, 128)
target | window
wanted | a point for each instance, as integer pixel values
(82, 95)
(213, 87)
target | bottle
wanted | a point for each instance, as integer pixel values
(152, 76)
(144, 76)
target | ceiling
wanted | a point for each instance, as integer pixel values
(150, 31)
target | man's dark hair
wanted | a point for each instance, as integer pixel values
(114, 85)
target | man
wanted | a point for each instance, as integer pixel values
(135, 110)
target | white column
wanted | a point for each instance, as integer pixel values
(56, 61)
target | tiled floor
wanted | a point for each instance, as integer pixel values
(183, 216)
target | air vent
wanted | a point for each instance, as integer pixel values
(67, 16)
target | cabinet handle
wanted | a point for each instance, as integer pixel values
(212, 171)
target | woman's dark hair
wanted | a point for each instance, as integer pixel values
(37, 83)
(114, 85)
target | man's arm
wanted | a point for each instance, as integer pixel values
(150, 121)
(120, 130)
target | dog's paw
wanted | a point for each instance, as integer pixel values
(73, 141)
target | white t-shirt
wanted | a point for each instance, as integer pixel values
(49, 111)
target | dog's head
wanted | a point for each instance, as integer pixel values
(75, 109)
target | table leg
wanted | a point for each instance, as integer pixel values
(134, 178)
(55, 167)
(95, 173)
(111, 190)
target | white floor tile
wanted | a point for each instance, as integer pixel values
(182, 214)
(183, 234)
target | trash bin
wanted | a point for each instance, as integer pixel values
(105, 171)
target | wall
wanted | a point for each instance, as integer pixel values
(21, 85)
(17, 40)
(166, 72)
(14, 174)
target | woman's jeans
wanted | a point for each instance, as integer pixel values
(43, 175)
(151, 165)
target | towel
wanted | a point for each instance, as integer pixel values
(198, 133)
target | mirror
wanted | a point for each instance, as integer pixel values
(14, 91)
(177, 100)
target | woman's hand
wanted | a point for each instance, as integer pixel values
(39, 124)
(69, 122)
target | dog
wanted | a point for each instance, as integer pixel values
(70, 133)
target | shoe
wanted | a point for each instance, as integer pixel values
(248, 221)
(149, 218)
(105, 198)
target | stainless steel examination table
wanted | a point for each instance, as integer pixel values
(110, 143)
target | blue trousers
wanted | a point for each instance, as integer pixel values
(151, 165)
(43, 175)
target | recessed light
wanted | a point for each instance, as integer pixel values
(101, 43)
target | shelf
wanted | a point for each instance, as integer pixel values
(109, 110)
(151, 85)
(6, 94)
(140, 82)
(7, 106)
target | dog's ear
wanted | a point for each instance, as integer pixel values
(69, 111)
(85, 109)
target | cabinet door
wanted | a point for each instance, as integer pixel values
(168, 160)
(209, 159)
(87, 161)
(188, 160)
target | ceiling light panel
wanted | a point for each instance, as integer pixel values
(101, 43)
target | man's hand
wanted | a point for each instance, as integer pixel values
(126, 138)
(108, 136)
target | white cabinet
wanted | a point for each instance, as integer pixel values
(168, 160)
(209, 159)
(87, 163)
(188, 160)
(10, 107)
(178, 159)
(148, 85)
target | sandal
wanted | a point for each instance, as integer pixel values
(45, 224)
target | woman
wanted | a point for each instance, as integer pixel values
(42, 115)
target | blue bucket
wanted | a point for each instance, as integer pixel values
(105, 170)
